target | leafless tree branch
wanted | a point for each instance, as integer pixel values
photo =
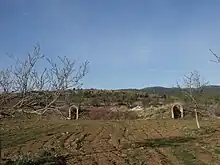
(216, 56)
(66, 77)
(24, 78)
(6, 80)
(23, 71)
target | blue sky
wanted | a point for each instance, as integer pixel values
(129, 43)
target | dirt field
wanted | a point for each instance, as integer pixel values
(150, 142)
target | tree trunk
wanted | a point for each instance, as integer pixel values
(197, 120)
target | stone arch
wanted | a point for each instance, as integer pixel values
(70, 112)
(177, 111)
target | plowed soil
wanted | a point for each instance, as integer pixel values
(141, 142)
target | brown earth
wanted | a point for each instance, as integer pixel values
(128, 142)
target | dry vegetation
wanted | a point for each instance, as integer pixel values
(35, 103)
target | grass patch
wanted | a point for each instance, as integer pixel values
(10, 139)
(217, 150)
(166, 142)
(185, 156)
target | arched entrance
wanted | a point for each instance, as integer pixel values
(70, 112)
(177, 111)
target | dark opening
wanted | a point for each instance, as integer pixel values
(176, 112)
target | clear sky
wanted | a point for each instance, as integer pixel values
(129, 43)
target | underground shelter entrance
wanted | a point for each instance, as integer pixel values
(177, 111)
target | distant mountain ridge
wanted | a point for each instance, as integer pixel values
(215, 89)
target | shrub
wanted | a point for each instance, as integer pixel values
(44, 158)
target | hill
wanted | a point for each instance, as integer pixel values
(211, 89)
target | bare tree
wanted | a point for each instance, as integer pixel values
(25, 77)
(217, 60)
(192, 89)
(64, 77)
(40, 80)
(6, 85)
(23, 71)
(6, 80)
